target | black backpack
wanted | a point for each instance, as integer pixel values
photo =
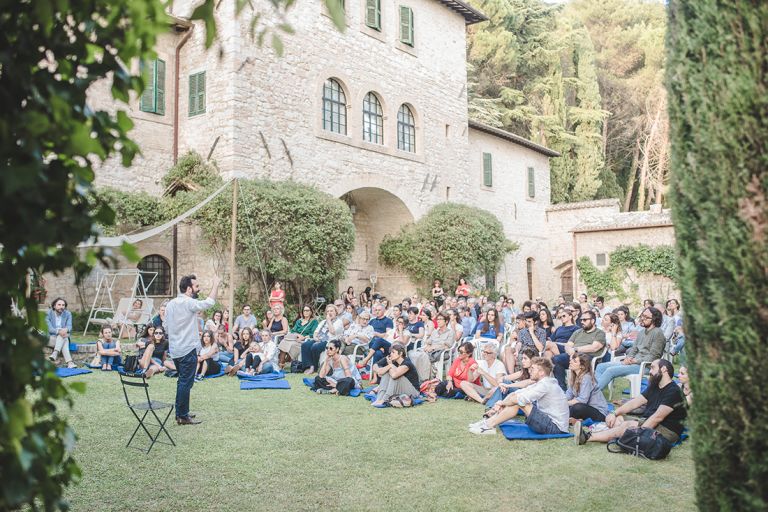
(641, 442)
(298, 367)
(131, 364)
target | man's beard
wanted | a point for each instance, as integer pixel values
(653, 380)
(195, 294)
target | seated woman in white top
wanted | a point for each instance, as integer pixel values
(337, 375)
(206, 358)
(492, 372)
(269, 354)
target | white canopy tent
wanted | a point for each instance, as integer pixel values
(103, 309)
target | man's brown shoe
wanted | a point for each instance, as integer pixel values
(187, 421)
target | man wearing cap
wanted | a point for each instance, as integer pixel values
(587, 340)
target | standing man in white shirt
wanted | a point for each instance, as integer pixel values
(184, 341)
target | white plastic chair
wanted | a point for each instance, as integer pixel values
(635, 379)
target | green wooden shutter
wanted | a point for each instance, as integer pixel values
(192, 95)
(373, 14)
(487, 170)
(160, 87)
(147, 100)
(531, 183)
(406, 25)
(201, 92)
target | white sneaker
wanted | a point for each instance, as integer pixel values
(483, 430)
(476, 424)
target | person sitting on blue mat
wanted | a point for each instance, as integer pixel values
(153, 348)
(337, 375)
(398, 377)
(226, 347)
(664, 412)
(585, 399)
(206, 358)
(269, 356)
(242, 348)
(514, 381)
(108, 349)
(543, 403)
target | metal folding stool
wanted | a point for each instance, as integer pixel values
(150, 406)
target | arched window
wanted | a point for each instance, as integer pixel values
(161, 285)
(373, 119)
(406, 130)
(334, 107)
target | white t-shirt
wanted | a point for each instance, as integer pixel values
(496, 368)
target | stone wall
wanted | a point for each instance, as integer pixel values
(658, 288)
(523, 218)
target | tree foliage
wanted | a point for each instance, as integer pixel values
(286, 231)
(49, 141)
(133, 210)
(450, 241)
(718, 107)
(582, 78)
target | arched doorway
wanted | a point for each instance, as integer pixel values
(376, 213)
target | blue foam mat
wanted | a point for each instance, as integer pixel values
(354, 393)
(261, 377)
(516, 430)
(265, 384)
(215, 375)
(71, 372)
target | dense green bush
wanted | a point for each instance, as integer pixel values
(449, 242)
(717, 83)
(286, 231)
(133, 210)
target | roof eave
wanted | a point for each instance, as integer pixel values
(471, 15)
(517, 139)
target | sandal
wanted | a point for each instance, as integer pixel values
(396, 402)
(406, 400)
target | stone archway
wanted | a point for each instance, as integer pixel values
(376, 213)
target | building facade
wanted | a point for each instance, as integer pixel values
(375, 115)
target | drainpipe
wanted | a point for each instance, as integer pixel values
(188, 27)
(575, 272)
(177, 67)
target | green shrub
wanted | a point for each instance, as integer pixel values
(449, 242)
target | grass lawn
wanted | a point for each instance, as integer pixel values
(294, 450)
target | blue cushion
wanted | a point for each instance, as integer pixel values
(309, 382)
(71, 372)
(516, 430)
(214, 375)
(265, 384)
(265, 376)
(73, 347)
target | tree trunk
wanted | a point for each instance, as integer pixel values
(632, 177)
(718, 105)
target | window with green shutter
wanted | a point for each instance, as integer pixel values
(487, 170)
(373, 14)
(531, 183)
(152, 100)
(406, 25)
(197, 93)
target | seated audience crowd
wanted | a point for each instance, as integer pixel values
(550, 366)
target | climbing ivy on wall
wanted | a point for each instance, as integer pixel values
(643, 259)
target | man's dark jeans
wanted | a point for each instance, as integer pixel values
(186, 367)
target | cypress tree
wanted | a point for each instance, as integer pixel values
(718, 104)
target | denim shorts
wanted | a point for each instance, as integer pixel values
(541, 423)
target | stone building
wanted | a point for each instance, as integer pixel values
(376, 115)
